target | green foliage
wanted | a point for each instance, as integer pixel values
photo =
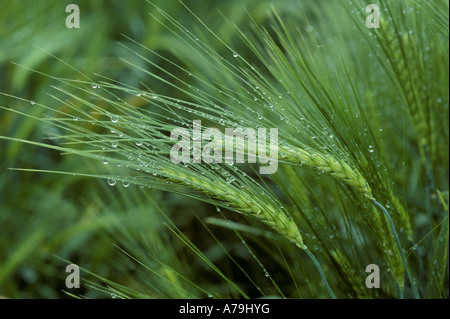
(362, 116)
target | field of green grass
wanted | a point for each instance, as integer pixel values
(362, 175)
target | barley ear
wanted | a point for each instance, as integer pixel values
(245, 202)
(339, 169)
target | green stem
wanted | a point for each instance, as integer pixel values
(400, 248)
(401, 293)
(322, 274)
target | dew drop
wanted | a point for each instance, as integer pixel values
(111, 182)
(125, 184)
(94, 86)
(230, 180)
(115, 144)
(32, 102)
(235, 55)
(114, 118)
